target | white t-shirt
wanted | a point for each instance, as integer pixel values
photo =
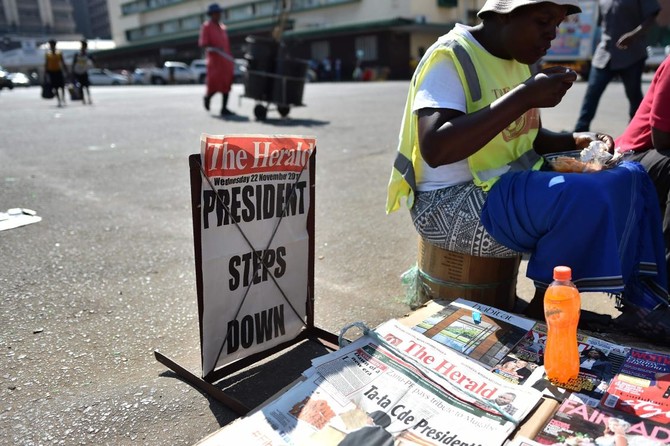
(81, 64)
(587, 364)
(442, 88)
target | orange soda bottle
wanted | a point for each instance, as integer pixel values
(562, 305)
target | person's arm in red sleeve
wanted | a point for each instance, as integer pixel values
(659, 118)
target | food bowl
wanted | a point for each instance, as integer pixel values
(570, 162)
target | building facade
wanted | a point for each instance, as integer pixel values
(92, 18)
(382, 36)
(36, 17)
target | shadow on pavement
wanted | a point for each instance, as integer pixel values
(256, 384)
(222, 414)
(236, 118)
(289, 122)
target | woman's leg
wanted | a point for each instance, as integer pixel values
(598, 80)
(207, 99)
(632, 83)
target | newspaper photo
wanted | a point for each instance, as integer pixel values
(483, 333)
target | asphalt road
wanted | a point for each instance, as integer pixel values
(107, 276)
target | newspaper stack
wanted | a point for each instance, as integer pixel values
(391, 387)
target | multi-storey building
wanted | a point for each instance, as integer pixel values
(384, 35)
(92, 18)
(36, 17)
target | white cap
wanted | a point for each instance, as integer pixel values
(507, 6)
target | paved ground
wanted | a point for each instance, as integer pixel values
(107, 277)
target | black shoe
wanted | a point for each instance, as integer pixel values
(205, 101)
(226, 112)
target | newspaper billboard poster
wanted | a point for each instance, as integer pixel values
(255, 197)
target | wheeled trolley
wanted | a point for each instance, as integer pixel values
(272, 78)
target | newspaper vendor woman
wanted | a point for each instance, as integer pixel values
(469, 164)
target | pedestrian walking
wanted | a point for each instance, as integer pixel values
(621, 52)
(81, 63)
(55, 70)
(220, 62)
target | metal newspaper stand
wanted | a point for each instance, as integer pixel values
(309, 331)
(272, 77)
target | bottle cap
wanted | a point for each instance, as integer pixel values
(562, 273)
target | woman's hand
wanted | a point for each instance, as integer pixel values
(547, 88)
(583, 139)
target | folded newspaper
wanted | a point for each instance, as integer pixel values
(392, 386)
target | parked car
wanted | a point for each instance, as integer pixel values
(178, 72)
(655, 56)
(5, 81)
(139, 76)
(19, 79)
(101, 76)
(199, 68)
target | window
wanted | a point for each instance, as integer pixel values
(244, 12)
(29, 14)
(447, 3)
(265, 9)
(366, 47)
(145, 5)
(304, 4)
(192, 22)
(152, 30)
(134, 34)
(171, 26)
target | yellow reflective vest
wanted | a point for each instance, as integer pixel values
(485, 78)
